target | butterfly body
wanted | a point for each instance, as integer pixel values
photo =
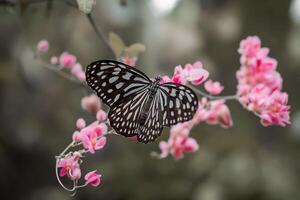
(138, 105)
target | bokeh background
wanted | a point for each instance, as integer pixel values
(39, 109)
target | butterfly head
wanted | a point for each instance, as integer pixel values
(157, 79)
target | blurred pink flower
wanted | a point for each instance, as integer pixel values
(43, 46)
(131, 61)
(54, 60)
(259, 84)
(213, 112)
(67, 60)
(91, 103)
(165, 79)
(70, 167)
(78, 72)
(178, 142)
(195, 73)
(80, 123)
(214, 88)
(93, 178)
(178, 76)
(101, 115)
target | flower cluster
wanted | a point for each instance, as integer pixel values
(193, 73)
(209, 110)
(89, 139)
(65, 61)
(259, 84)
(178, 142)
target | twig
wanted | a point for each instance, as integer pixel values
(229, 97)
(99, 33)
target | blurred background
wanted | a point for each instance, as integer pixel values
(39, 108)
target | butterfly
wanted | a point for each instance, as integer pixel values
(139, 106)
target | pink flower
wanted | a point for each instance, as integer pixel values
(259, 84)
(178, 142)
(80, 123)
(93, 178)
(91, 103)
(76, 137)
(131, 61)
(277, 110)
(250, 46)
(78, 72)
(43, 46)
(213, 112)
(165, 79)
(164, 147)
(67, 60)
(101, 115)
(195, 73)
(214, 88)
(70, 167)
(178, 76)
(54, 60)
(91, 142)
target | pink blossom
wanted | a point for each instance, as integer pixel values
(91, 103)
(67, 60)
(77, 68)
(91, 142)
(165, 79)
(70, 167)
(78, 72)
(178, 76)
(43, 46)
(131, 61)
(195, 73)
(93, 178)
(277, 110)
(80, 123)
(54, 60)
(213, 112)
(76, 137)
(250, 46)
(80, 76)
(164, 147)
(101, 115)
(259, 84)
(214, 88)
(179, 141)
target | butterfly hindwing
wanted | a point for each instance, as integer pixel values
(153, 125)
(178, 103)
(124, 116)
(114, 81)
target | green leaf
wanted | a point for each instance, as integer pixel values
(86, 6)
(135, 49)
(116, 44)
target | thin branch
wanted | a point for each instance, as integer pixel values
(99, 33)
(212, 97)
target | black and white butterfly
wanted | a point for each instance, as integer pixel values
(139, 105)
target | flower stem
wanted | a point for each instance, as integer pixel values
(212, 97)
(99, 33)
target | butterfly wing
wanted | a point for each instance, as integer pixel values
(153, 125)
(178, 103)
(114, 81)
(125, 114)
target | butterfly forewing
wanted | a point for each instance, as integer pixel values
(127, 90)
(124, 116)
(114, 81)
(153, 125)
(178, 103)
